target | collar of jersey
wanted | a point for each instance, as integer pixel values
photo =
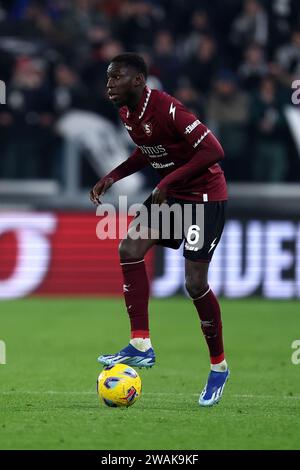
(142, 106)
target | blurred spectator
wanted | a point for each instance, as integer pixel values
(36, 23)
(153, 72)
(270, 158)
(283, 17)
(112, 8)
(3, 12)
(200, 27)
(165, 60)
(202, 66)
(191, 99)
(250, 26)
(27, 120)
(68, 92)
(79, 18)
(184, 45)
(254, 67)
(136, 24)
(227, 114)
(288, 59)
(95, 68)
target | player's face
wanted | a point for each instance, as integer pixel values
(122, 82)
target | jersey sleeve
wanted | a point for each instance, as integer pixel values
(207, 148)
(136, 162)
(186, 124)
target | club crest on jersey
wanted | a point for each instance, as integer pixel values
(147, 126)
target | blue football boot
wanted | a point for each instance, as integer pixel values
(130, 356)
(213, 390)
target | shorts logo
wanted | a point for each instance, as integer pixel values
(147, 128)
(213, 244)
(191, 248)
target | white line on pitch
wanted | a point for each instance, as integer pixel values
(58, 392)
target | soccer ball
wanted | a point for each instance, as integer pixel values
(119, 385)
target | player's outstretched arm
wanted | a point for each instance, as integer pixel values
(159, 196)
(100, 189)
(136, 162)
(209, 153)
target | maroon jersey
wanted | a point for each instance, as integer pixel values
(173, 141)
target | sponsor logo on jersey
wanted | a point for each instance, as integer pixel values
(153, 151)
(129, 128)
(192, 126)
(147, 126)
(158, 166)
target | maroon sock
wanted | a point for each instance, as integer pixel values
(136, 293)
(209, 313)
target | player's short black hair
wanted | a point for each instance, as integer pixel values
(133, 60)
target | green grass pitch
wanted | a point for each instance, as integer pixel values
(48, 386)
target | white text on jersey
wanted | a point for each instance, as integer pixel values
(153, 151)
(158, 166)
(192, 126)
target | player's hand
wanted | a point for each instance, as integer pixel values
(100, 188)
(158, 196)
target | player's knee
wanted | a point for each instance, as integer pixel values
(125, 250)
(195, 286)
(128, 249)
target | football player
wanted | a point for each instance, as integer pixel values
(185, 154)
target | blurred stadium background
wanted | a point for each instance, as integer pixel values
(236, 64)
(232, 62)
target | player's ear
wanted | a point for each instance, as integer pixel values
(139, 79)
